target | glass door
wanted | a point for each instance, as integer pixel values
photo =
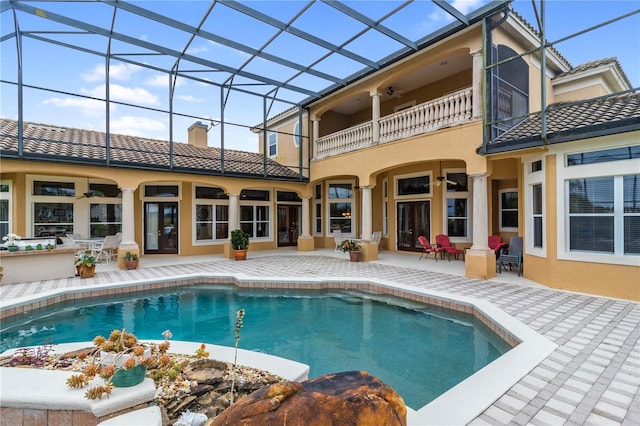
(414, 219)
(289, 226)
(161, 228)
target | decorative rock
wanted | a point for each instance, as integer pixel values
(349, 398)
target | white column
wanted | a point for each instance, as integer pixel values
(375, 116)
(480, 213)
(476, 78)
(234, 217)
(128, 220)
(367, 219)
(316, 135)
(306, 201)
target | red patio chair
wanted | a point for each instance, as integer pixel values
(446, 246)
(427, 248)
(497, 245)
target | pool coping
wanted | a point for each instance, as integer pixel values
(478, 391)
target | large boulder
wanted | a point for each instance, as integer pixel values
(349, 398)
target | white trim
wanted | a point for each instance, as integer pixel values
(426, 195)
(607, 169)
(297, 136)
(531, 179)
(352, 200)
(385, 207)
(466, 195)
(274, 134)
(9, 197)
(194, 216)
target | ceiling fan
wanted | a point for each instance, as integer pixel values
(441, 178)
(90, 194)
(394, 93)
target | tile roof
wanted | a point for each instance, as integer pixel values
(54, 143)
(577, 120)
(596, 64)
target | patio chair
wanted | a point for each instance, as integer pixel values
(446, 246)
(108, 249)
(337, 239)
(376, 237)
(497, 245)
(427, 248)
(511, 256)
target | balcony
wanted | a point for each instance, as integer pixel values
(450, 110)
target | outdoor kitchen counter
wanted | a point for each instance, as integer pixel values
(35, 265)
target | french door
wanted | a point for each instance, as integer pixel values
(413, 220)
(289, 226)
(161, 228)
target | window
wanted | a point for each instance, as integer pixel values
(385, 207)
(536, 203)
(161, 191)
(604, 214)
(273, 144)
(254, 213)
(509, 210)
(340, 205)
(104, 190)
(414, 185)
(297, 135)
(457, 203)
(317, 209)
(56, 189)
(600, 209)
(5, 208)
(106, 219)
(211, 214)
(604, 156)
(51, 219)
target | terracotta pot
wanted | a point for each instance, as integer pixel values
(131, 264)
(87, 271)
(354, 256)
(240, 254)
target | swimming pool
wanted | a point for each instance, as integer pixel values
(419, 350)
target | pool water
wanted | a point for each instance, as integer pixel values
(420, 351)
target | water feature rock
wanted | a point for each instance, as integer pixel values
(353, 398)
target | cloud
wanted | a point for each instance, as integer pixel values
(189, 98)
(89, 107)
(194, 50)
(138, 126)
(136, 95)
(122, 72)
(162, 80)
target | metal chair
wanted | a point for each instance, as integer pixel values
(512, 255)
(376, 237)
(445, 246)
(337, 239)
(427, 248)
(108, 249)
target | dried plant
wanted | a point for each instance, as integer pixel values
(239, 322)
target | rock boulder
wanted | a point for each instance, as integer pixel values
(349, 398)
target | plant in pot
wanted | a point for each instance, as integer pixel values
(11, 241)
(130, 260)
(239, 243)
(86, 265)
(122, 362)
(353, 248)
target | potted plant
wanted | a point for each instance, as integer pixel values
(86, 265)
(353, 247)
(11, 241)
(130, 260)
(239, 243)
(122, 362)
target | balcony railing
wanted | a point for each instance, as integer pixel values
(446, 111)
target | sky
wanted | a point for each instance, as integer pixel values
(72, 72)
